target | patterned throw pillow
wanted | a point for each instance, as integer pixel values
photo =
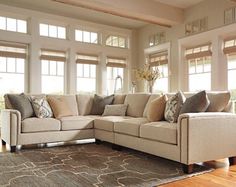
(115, 110)
(173, 107)
(41, 107)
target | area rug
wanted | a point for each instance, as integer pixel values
(88, 165)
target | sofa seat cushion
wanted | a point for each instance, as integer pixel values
(129, 126)
(107, 122)
(76, 123)
(40, 125)
(162, 131)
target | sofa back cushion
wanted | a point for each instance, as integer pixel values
(218, 101)
(151, 98)
(71, 102)
(136, 104)
(119, 99)
(84, 104)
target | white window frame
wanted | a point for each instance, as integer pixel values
(90, 36)
(17, 29)
(57, 27)
(118, 38)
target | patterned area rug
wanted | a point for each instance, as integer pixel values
(87, 165)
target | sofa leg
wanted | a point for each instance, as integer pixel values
(232, 161)
(13, 149)
(188, 169)
(98, 142)
(3, 142)
(116, 147)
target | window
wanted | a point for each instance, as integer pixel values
(86, 36)
(116, 41)
(199, 67)
(160, 60)
(230, 51)
(157, 39)
(11, 24)
(12, 69)
(52, 70)
(86, 73)
(115, 70)
(52, 31)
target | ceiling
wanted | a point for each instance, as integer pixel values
(180, 3)
(88, 14)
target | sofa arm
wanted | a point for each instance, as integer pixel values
(206, 136)
(11, 126)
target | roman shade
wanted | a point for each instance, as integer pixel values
(159, 58)
(198, 51)
(117, 62)
(53, 55)
(86, 59)
(230, 46)
(13, 50)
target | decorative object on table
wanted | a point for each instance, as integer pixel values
(148, 74)
(133, 87)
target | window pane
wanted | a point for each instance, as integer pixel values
(232, 63)
(53, 31)
(3, 23)
(61, 32)
(192, 66)
(86, 85)
(60, 68)
(52, 84)
(115, 41)
(161, 85)
(79, 35)
(93, 71)
(3, 64)
(86, 70)
(231, 79)
(20, 65)
(207, 66)
(121, 42)
(199, 82)
(45, 67)
(94, 37)
(80, 70)
(43, 29)
(21, 26)
(11, 65)
(86, 36)
(53, 67)
(199, 67)
(11, 24)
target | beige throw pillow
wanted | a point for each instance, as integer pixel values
(115, 110)
(59, 107)
(156, 109)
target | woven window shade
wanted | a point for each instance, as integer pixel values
(157, 59)
(53, 55)
(116, 62)
(198, 52)
(86, 59)
(13, 50)
(230, 46)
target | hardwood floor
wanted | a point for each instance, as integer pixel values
(223, 176)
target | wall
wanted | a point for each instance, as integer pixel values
(213, 9)
(70, 45)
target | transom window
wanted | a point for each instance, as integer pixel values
(159, 61)
(199, 67)
(52, 31)
(12, 24)
(12, 69)
(52, 70)
(116, 41)
(115, 74)
(86, 36)
(86, 73)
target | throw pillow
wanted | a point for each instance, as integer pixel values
(115, 110)
(156, 109)
(197, 103)
(173, 107)
(21, 103)
(41, 107)
(59, 107)
(99, 104)
(218, 101)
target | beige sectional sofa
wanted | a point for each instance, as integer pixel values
(196, 137)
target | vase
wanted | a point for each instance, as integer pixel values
(150, 85)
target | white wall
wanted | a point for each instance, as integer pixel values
(37, 42)
(214, 10)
